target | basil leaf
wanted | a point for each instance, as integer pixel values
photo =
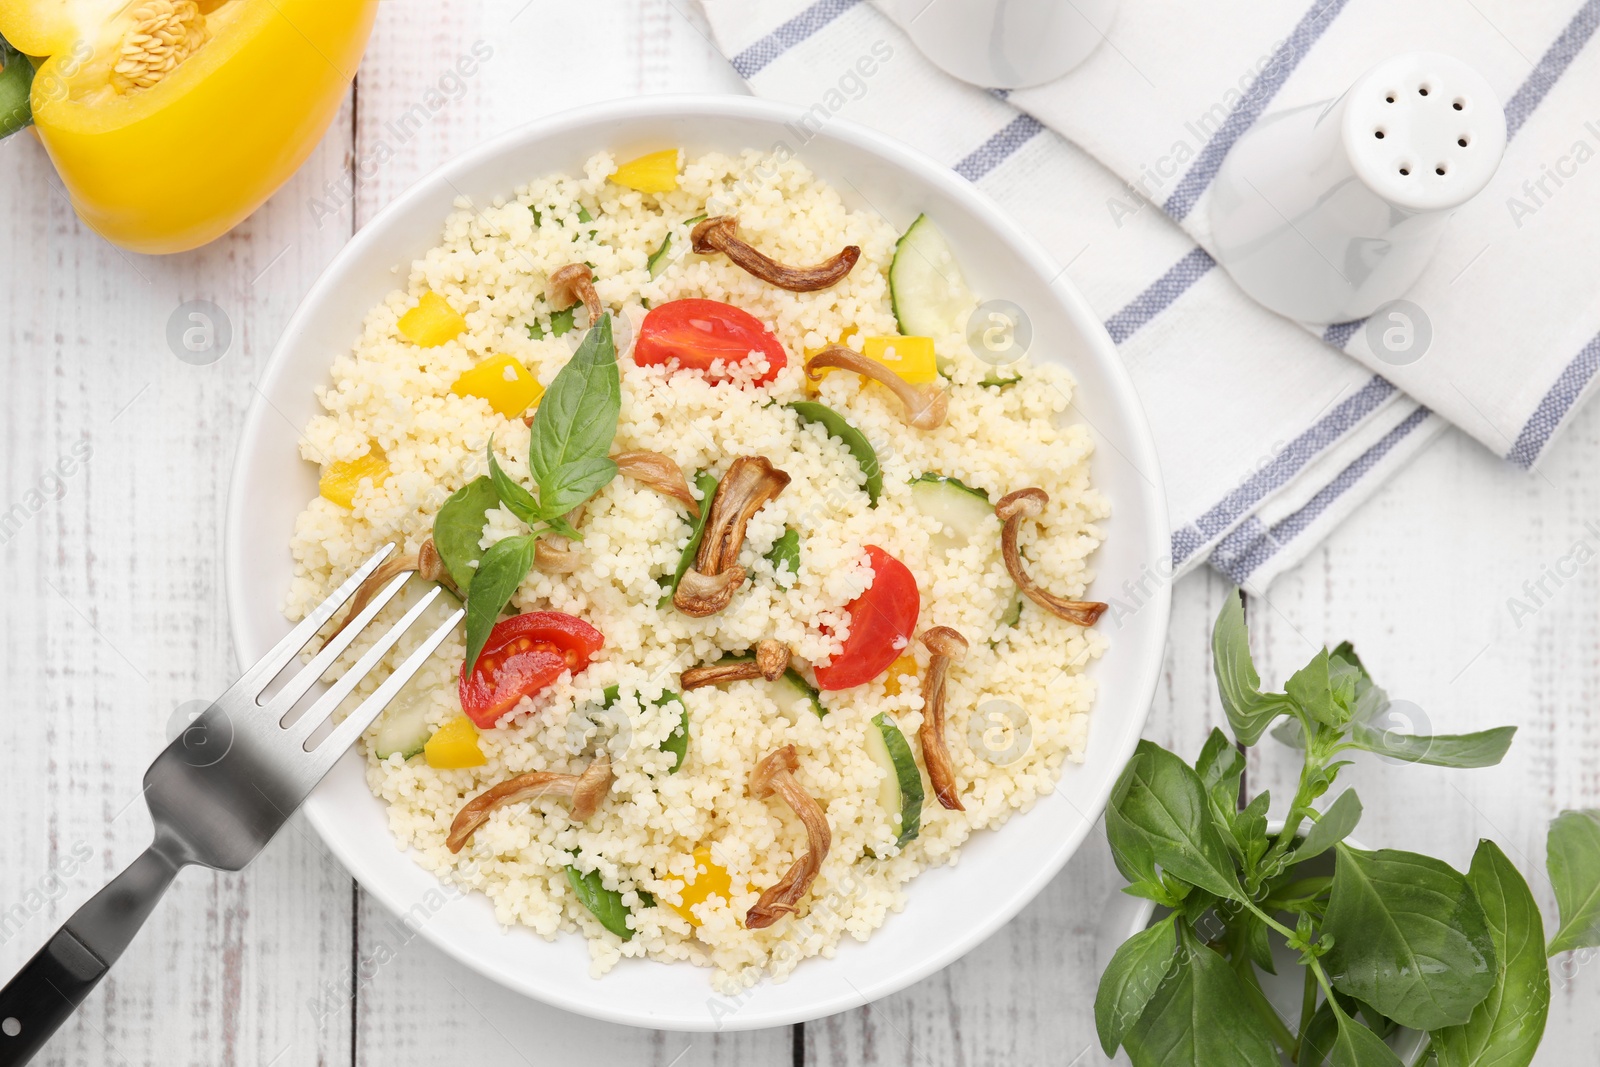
(1482, 749)
(1312, 689)
(1221, 769)
(1163, 802)
(574, 483)
(1409, 937)
(1334, 825)
(604, 904)
(1250, 830)
(836, 425)
(504, 566)
(458, 529)
(707, 484)
(1354, 1045)
(1132, 977)
(677, 742)
(517, 500)
(1249, 710)
(1505, 1029)
(1200, 1017)
(576, 421)
(1574, 865)
(562, 528)
(786, 551)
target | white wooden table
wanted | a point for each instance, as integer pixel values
(114, 618)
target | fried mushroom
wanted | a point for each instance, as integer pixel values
(656, 471)
(708, 586)
(424, 561)
(926, 405)
(585, 791)
(775, 774)
(721, 234)
(1013, 510)
(574, 284)
(771, 660)
(945, 647)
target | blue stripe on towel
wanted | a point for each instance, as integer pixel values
(1282, 468)
(989, 155)
(1239, 554)
(750, 62)
(1551, 66)
(1555, 404)
(1160, 296)
(1247, 110)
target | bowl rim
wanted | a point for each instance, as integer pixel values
(1138, 449)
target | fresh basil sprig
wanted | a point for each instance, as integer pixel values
(572, 432)
(1385, 939)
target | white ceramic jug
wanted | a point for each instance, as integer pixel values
(1004, 44)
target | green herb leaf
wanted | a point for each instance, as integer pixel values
(1409, 937)
(604, 904)
(1249, 710)
(707, 484)
(504, 566)
(458, 528)
(995, 382)
(1162, 801)
(1132, 977)
(574, 425)
(1505, 1029)
(786, 551)
(1323, 693)
(1482, 749)
(677, 742)
(16, 82)
(1574, 864)
(561, 323)
(517, 500)
(1336, 824)
(1200, 1017)
(854, 440)
(1353, 1045)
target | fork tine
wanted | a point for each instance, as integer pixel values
(255, 679)
(310, 674)
(345, 734)
(318, 713)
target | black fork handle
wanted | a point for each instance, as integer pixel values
(46, 992)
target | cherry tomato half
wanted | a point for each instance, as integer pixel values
(523, 656)
(698, 332)
(882, 622)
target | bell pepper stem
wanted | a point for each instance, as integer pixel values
(16, 80)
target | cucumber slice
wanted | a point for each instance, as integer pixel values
(791, 688)
(658, 260)
(930, 297)
(854, 440)
(404, 727)
(900, 792)
(960, 509)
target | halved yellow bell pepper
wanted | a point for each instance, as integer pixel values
(454, 745)
(432, 322)
(340, 481)
(504, 382)
(170, 121)
(901, 669)
(654, 173)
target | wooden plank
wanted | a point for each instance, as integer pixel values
(1436, 581)
(115, 617)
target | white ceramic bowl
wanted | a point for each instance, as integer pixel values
(951, 909)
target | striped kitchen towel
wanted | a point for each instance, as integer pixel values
(1268, 435)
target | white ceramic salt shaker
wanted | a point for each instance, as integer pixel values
(1326, 212)
(1004, 44)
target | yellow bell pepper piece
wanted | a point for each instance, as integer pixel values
(910, 357)
(504, 382)
(901, 669)
(340, 481)
(711, 880)
(432, 322)
(454, 745)
(170, 121)
(654, 173)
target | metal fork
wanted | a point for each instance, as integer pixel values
(217, 795)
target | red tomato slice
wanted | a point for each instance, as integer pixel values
(696, 333)
(523, 656)
(882, 622)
